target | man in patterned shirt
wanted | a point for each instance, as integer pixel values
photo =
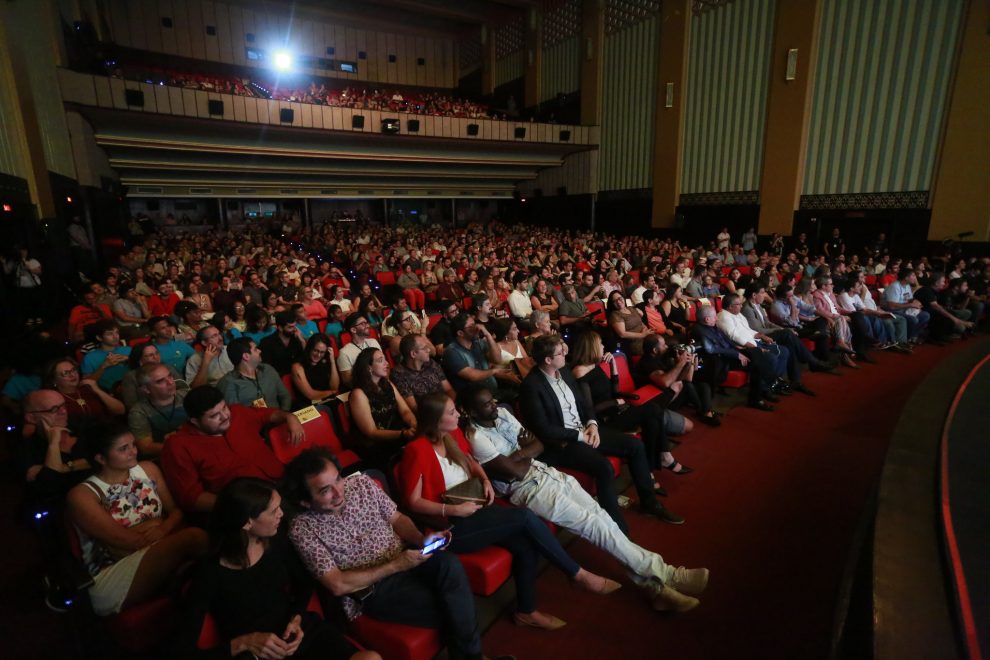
(353, 540)
(418, 375)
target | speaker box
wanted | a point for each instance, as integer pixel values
(215, 107)
(390, 126)
(520, 132)
(472, 129)
(412, 126)
(357, 121)
(565, 136)
(134, 97)
(286, 115)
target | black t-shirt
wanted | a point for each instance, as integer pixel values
(441, 335)
(926, 296)
(834, 246)
(280, 356)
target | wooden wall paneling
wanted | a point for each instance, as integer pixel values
(391, 67)
(200, 14)
(317, 116)
(181, 26)
(342, 119)
(368, 40)
(251, 109)
(328, 117)
(120, 22)
(379, 49)
(175, 101)
(117, 94)
(297, 115)
(101, 89)
(169, 42)
(403, 46)
(222, 17)
(214, 15)
(305, 115)
(235, 33)
(360, 38)
(272, 107)
(189, 103)
(150, 98)
(228, 106)
(240, 112)
(202, 104)
(420, 51)
(146, 26)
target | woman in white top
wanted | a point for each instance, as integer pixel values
(129, 527)
(506, 334)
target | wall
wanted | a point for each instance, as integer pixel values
(883, 73)
(510, 42)
(137, 24)
(628, 100)
(578, 175)
(961, 195)
(92, 165)
(726, 97)
(561, 70)
(33, 28)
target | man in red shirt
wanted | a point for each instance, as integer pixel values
(218, 444)
(163, 302)
(85, 315)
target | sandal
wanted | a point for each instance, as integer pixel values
(677, 468)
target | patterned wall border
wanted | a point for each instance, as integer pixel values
(721, 198)
(911, 199)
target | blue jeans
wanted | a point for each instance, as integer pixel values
(520, 532)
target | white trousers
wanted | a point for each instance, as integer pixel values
(559, 498)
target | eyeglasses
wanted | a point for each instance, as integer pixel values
(67, 372)
(50, 411)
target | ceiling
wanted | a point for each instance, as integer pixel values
(178, 156)
(440, 16)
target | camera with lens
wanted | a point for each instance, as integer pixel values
(685, 348)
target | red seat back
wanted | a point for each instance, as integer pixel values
(626, 383)
(319, 433)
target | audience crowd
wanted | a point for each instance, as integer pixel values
(318, 92)
(457, 367)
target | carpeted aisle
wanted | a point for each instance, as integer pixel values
(770, 510)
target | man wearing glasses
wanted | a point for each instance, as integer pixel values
(361, 339)
(558, 414)
(52, 457)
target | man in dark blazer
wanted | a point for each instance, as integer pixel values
(556, 412)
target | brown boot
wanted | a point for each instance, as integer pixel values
(690, 581)
(668, 599)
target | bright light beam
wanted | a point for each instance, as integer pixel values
(283, 60)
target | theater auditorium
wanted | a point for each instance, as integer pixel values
(412, 329)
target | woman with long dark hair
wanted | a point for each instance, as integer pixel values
(626, 323)
(129, 526)
(254, 586)
(315, 375)
(437, 461)
(382, 419)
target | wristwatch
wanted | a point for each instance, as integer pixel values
(69, 464)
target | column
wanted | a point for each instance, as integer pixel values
(668, 127)
(788, 112)
(960, 196)
(487, 60)
(592, 49)
(533, 71)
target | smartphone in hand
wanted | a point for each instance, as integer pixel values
(434, 545)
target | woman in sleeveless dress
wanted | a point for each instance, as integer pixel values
(131, 532)
(383, 422)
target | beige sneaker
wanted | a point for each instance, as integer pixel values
(690, 581)
(668, 599)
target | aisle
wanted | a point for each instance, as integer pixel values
(770, 510)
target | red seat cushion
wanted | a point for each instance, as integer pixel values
(141, 627)
(736, 379)
(810, 345)
(396, 641)
(487, 569)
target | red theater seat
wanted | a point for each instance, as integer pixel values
(587, 481)
(626, 382)
(395, 641)
(319, 433)
(736, 379)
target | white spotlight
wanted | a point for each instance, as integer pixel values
(283, 60)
